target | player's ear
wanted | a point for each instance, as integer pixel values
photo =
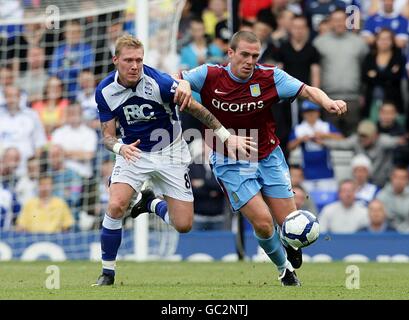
(230, 52)
(115, 60)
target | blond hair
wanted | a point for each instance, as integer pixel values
(127, 41)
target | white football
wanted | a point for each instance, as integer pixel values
(300, 229)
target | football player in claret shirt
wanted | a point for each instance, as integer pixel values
(241, 95)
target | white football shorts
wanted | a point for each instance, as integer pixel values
(166, 170)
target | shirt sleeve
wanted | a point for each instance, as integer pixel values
(369, 28)
(292, 136)
(105, 113)
(315, 59)
(167, 87)
(196, 77)
(287, 86)
(402, 30)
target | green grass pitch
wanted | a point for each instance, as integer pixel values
(214, 280)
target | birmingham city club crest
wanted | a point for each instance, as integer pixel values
(255, 90)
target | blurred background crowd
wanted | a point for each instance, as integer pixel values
(351, 171)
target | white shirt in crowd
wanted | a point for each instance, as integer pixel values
(81, 138)
(23, 131)
(336, 218)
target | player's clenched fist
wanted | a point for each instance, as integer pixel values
(336, 106)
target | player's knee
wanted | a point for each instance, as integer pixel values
(263, 228)
(117, 208)
(184, 227)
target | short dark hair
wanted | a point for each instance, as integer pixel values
(338, 9)
(301, 17)
(242, 35)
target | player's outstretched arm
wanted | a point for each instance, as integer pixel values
(243, 145)
(318, 96)
(129, 151)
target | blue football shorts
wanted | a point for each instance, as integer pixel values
(242, 180)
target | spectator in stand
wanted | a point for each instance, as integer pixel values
(299, 58)
(27, 185)
(8, 78)
(246, 26)
(374, 6)
(277, 6)
(20, 128)
(216, 11)
(388, 120)
(263, 30)
(297, 175)
(346, 215)
(86, 98)
(361, 172)
(70, 57)
(78, 141)
(377, 147)
(382, 73)
(282, 32)
(105, 48)
(395, 197)
(200, 50)
(388, 123)
(324, 27)
(222, 37)
(33, 35)
(11, 9)
(35, 70)
(318, 10)
(317, 164)
(342, 53)
(52, 109)
(184, 36)
(303, 201)
(9, 164)
(45, 213)
(387, 18)
(378, 222)
(67, 184)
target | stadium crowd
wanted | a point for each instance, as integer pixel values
(54, 171)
